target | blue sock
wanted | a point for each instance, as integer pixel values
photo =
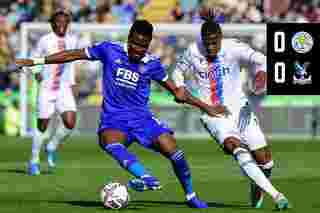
(137, 169)
(126, 159)
(182, 171)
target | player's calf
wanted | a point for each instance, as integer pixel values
(248, 165)
(131, 163)
(256, 193)
(51, 158)
(265, 162)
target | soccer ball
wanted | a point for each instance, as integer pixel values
(114, 195)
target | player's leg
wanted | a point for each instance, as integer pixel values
(168, 148)
(45, 109)
(66, 105)
(37, 141)
(158, 136)
(228, 135)
(253, 137)
(264, 160)
(113, 141)
(64, 128)
(251, 169)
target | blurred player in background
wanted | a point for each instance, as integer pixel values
(126, 116)
(56, 92)
(214, 64)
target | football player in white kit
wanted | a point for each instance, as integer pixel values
(211, 68)
(55, 93)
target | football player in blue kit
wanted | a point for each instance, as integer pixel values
(125, 116)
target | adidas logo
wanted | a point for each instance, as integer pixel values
(118, 61)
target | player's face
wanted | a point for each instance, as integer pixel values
(60, 24)
(212, 43)
(138, 45)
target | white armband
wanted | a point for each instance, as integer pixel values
(37, 61)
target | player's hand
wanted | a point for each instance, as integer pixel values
(217, 110)
(24, 62)
(260, 83)
(180, 95)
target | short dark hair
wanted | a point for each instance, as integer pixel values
(60, 11)
(142, 27)
(210, 25)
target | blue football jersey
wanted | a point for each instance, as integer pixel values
(126, 86)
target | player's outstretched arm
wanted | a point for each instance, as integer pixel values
(57, 58)
(212, 110)
(182, 95)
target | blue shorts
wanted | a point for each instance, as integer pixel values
(143, 130)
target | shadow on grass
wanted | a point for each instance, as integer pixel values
(95, 204)
(141, 204)
(17, 171)
(23, 171)
(184, 204)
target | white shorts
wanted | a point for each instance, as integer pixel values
(49, 103)
(244, 127)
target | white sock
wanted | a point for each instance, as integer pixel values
(190, 196)
(60, 136)
(249, 166)
(37, 140)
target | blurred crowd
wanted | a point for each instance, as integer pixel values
(13, 13)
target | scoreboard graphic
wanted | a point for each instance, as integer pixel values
(293, 58)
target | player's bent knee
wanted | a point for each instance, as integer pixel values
(43, 125)
(167, 144)
(230, 144)
(70, 125)
(262, 155)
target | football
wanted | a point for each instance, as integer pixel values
(114, 195)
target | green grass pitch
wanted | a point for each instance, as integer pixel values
(84, 168)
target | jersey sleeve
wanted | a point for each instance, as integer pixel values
(158, 72)
(184, 65)
(253, 58)
(97, 51)
(39, 51)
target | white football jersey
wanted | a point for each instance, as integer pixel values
(219, 81)
(56, 76)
